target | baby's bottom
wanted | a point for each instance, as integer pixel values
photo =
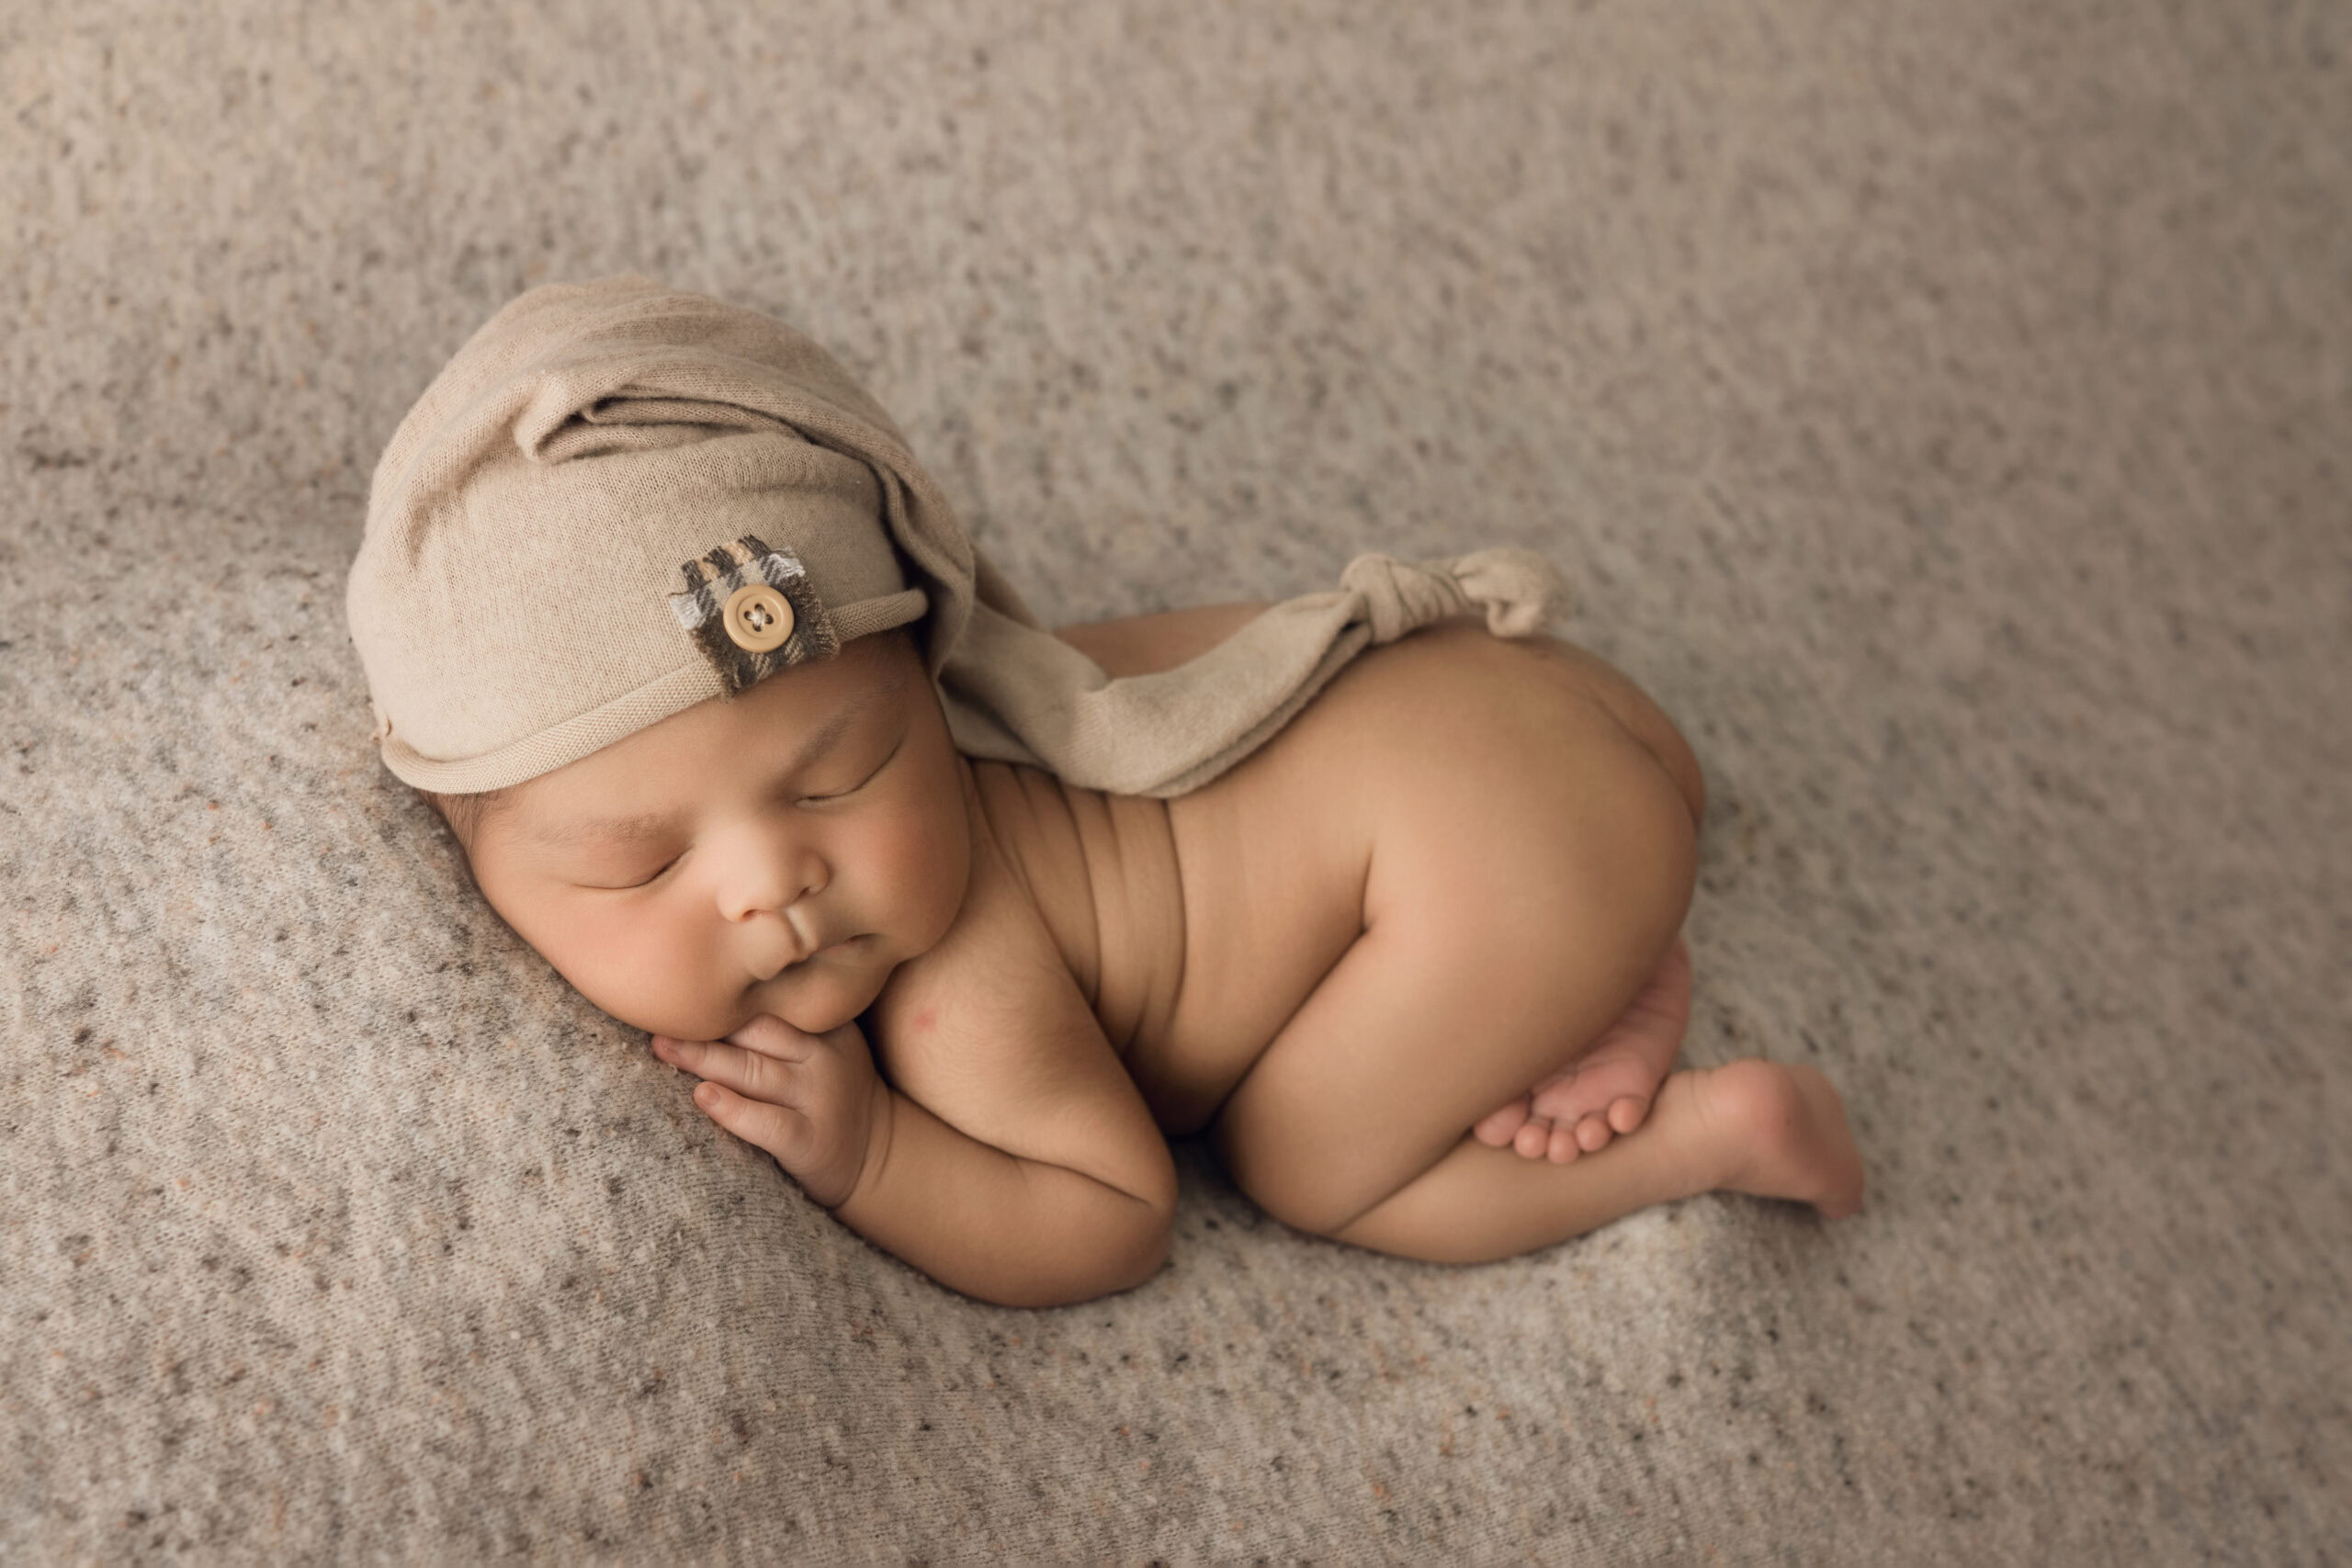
(1532, 863)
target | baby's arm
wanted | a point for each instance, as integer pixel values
(1014, 1160)
(1020, 1231)
(1087, 1216)
(1022, 1160)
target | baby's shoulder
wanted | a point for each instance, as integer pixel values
(997, 972)
(988, 1028)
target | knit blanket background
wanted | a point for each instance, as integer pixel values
(1941, 410)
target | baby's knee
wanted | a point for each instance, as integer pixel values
(1305, 1194)
(1319, 1208)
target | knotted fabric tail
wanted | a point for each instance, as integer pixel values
(1170, 732)
(1519, 590)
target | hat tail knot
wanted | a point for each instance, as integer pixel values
(1519, 590)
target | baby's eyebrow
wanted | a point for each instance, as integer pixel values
(621, 830)
(654, 823)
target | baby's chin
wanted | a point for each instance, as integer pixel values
(821, 1002)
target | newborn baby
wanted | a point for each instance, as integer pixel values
(1399, 930)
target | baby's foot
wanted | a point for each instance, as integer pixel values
(1607, 1090)
(1779, 1129)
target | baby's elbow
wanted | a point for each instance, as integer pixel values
(1147, 1222)
(1148, 1245)
(1122, 1240)
(1111, 1258)
(1139, 1239)
(1138, 1245)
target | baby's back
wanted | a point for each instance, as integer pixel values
(1195, 927)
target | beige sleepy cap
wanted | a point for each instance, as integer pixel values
(619, 500)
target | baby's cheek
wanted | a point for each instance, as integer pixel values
(637, 969)
(937, 867)
(925, 899)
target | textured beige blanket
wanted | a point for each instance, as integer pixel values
(1941, 409)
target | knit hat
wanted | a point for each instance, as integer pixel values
(618, 500)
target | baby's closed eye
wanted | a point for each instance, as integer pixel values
(630, 880)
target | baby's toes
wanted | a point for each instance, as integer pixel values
(1533, 1138)
(1593, 1134)
(1498, 1128)
(1563, 1149)
(1626, 1112)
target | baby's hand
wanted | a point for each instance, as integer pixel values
(806, 1098)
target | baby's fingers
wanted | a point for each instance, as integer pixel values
(748, 1073)
(779, 1129)
(771, 1036)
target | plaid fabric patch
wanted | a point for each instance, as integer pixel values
(711, 579)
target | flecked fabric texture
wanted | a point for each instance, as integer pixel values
(1940, 409)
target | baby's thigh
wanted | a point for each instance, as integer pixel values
(1531, 860)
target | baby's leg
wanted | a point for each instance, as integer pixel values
(1777, 1131)
(1498, 942)
(1606, 1089)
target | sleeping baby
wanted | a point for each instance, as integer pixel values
(958, 917)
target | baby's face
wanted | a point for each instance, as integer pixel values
(778, 853)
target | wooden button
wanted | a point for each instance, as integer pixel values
(757, 617)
